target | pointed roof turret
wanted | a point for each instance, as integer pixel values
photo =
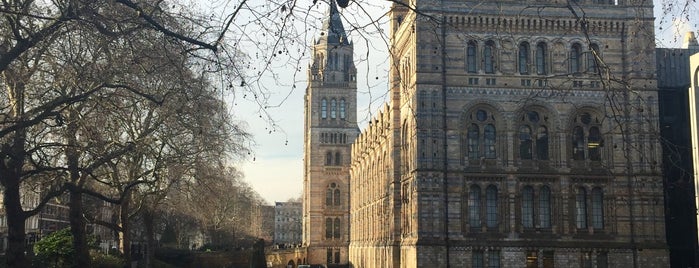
(333, 30)
(690, 41)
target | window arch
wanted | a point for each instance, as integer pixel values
(533, 136)
(480, 135)
(491, 206)
(489, 57)
(474, 206)
(523, 58)
(471, 65)
(323, 108)
(541, 66)
(587, 139)
(333, 108)
(343, 109)
(333, 228)
(575, 61)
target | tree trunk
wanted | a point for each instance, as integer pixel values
(124, 236)
(77, 229)
(148, 224)
(16, 233)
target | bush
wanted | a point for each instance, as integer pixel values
(102, 260)
(54, 250)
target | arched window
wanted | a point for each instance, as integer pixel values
(332, 195)
(473, 140)
(542, 143)
(336, 230)
(587, 139)
(541, 58)
(323, 108)
(471, 57)
(525, 142)
(489, 57)
(480, 144)
(597, 208)
(528, 207)
(328, 159)
(474, 206)
(343, 109)
(338, 159)
(524, 58)
(328, 228)
(593, 143)
(329, 197)
(333, 108)
(336, 197)
(592, 59)
(545, 207)
(533, 136)
(491, 206)
(575, 62)
(489, 137)
(581, 209)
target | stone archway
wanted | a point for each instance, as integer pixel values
(291, 264)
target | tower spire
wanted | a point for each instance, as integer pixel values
(333, 30)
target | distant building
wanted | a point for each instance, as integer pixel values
(287, 222)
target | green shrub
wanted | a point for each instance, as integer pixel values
(101, 260)
(54, 250)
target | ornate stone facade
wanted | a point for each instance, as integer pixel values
(519, 134)
(330, 128)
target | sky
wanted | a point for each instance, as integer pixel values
(274, 167)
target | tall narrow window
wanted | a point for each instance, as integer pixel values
(342, 109)
(541, 58)
(338, 159)
(329, 197)
(592, 59)
(488, 57)
(525, 142)
(473, 145)
(494, 259)
(477, 259)
(593, 143)
(489, 136)
(587, 138)
(328, 159)
(491, 202)
(597, 208)
(323, 108)
(471, 57)
(575, 64)
(542, 143)
(578, 143)
(474, 206)
(336, 197)
(337, 228)
(528, 207)
(333, 108)
(328, 228)
(545, 207)
(329, 256)
(524, 58)
(581, 209)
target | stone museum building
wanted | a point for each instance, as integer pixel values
(518, 134)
